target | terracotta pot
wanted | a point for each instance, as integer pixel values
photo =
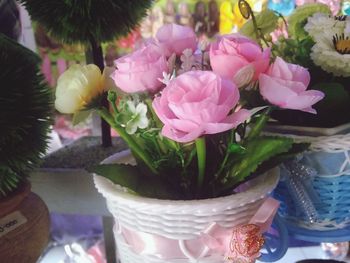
(24, 226)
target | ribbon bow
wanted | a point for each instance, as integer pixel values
(244, 242)
(241, 244)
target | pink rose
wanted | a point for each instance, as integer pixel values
(140, 70)
(230, 53)
(197, 103)
(175, 38)
(285, 85)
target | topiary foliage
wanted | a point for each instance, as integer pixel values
(78, 20)
(25, 113)
(10, 24)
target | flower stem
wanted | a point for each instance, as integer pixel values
(153, 113)
(201, 155)
(227, 154)
(97, 56)
(170, 143)
(260, 124)
(112, 98)
(136, 149)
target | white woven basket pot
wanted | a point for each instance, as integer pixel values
(179, 223)
(321, 198)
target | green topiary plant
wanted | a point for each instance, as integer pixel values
(76, 21)
(88, 22)
(25, 114)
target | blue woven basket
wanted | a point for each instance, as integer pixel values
(332, 203)
(328, 190)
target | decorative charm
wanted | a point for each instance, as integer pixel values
(245, 9)
(170, 13)
(185, 17)
(213, 18)
(200, 18)
(245, 244)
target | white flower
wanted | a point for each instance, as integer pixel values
(319, 23)
(167, 77)
(134, 116)
(332, 49)
(77, 86)
(325, 55)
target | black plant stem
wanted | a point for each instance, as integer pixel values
(98, 60)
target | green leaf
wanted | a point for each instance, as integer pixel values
(132, 178)
(297, 148)
(267, 22)
(236, 148)
(257, 151)
(298, 19)
(259, 124)
(80, 116)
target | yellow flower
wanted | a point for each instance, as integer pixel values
(77, 87)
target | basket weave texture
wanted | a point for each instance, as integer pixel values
(329, 189)
(179, 220)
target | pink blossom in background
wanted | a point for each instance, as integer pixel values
(130, 40)
(302, 2)
(46, 69)
(285, 84)
(140, 70)
(281, 31)
(232, 52)
(175, 38)
(65, 129)
(197, 103)
(334, 5)
(61, 66)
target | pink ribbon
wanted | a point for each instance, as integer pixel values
(214, 241)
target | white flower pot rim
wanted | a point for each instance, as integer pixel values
(331, 140)
(266, 184)
(309, 130)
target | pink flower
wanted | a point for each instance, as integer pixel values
(197, 103)
(285, 85)
(175, 38)
(140, 70)
(279, 32)
(232, 52)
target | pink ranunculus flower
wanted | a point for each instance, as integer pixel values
(175, 39)
(230, 53)
(197, 103)
(141, 70)
(285, 85)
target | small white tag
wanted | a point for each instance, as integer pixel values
(11, 222)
